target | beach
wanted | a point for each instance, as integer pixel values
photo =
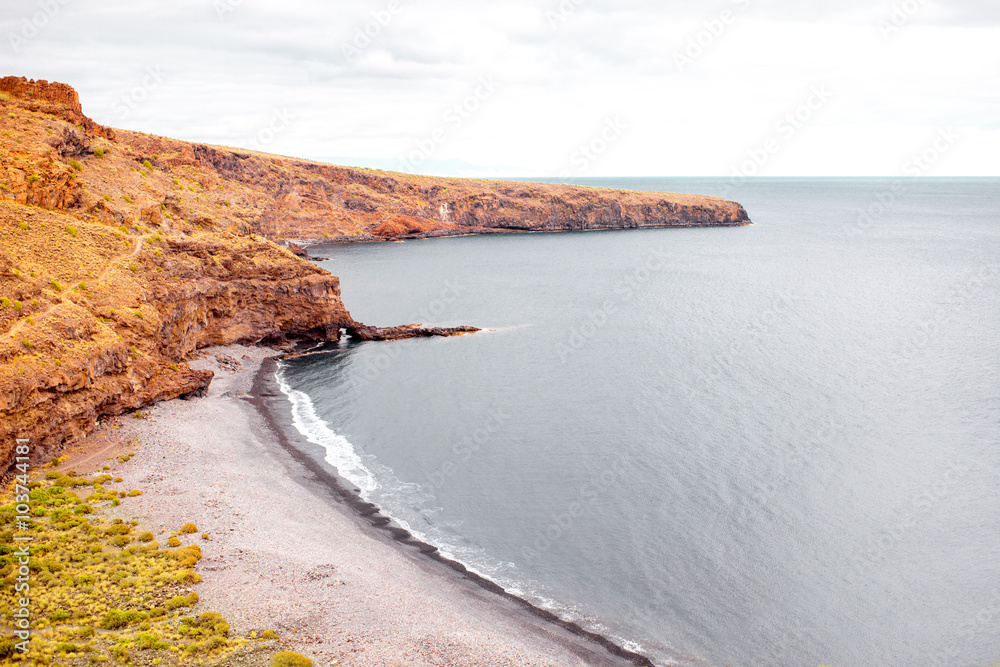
(289, 552)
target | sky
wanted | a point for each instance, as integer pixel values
(544, 88)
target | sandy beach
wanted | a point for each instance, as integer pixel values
(290, 554)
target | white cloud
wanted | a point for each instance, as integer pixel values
(223, 78)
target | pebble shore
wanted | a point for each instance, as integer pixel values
(284, 554)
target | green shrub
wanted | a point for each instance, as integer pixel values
(56, 286)
(189, 528)
(66, 647)
(145, 536)
(71, 230)
(75, 164)
(129, 200)
(147, 641)
(23, 225)
(18, 306)
(99, 152)
(147, 164)
(4, 302)
(290, 659)
(33, 178)
(117, 619)
(177, 602)
(59, 615)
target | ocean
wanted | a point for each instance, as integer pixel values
(772, 445)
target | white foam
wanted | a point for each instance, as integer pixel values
(340, 452)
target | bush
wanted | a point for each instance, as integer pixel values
(177, 602)
(147, 641)
(188, 528)
(99, 152)
(117, 619)
(71, 230)
(56, 286)
(75, 164)
(145, 536)
(59, 615)
(290, 659)
(23, 226)
(66, 647)
(147, 164)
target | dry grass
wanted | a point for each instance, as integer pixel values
(95, 593)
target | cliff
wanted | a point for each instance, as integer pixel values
(122, 254)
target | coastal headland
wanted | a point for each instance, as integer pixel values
(123, 256)
(123, 253)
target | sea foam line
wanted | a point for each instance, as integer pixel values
(340, 452)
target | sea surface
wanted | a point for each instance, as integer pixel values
(775, 445)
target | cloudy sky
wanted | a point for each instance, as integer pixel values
(540, 87)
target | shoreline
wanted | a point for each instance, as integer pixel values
(294, 549)
(265, 387)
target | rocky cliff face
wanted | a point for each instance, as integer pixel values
(122, 254)
(96, 319)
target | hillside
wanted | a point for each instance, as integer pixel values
(122, 253)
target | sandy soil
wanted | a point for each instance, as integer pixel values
(286, 554)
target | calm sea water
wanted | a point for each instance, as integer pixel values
(775, 445)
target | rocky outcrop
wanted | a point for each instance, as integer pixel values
(367, 333)
(57, 99)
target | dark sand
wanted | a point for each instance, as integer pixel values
(289, 550)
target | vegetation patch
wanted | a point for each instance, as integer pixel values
(95, 594)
